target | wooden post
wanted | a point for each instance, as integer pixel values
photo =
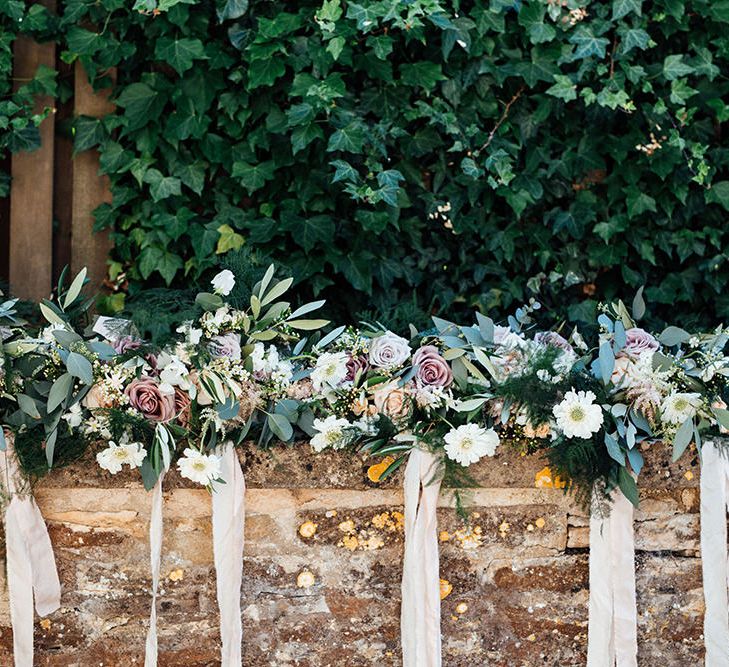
(90, 189)
(31, 190)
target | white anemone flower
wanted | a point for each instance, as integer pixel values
(331, 433)
(677, 407)
(115, 456)
(200, 468)
(224, 282)
(577, 415)
(330, 370)
(470, 442)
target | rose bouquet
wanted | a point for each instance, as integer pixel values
(219, 378)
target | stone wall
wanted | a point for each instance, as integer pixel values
(517, 575)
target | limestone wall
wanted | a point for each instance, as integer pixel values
(517, 577)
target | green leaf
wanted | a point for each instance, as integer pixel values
(179, 53)
(59, 391)
(160, 186)
(638, 304)
(80, 367)
(628, 486)
(531, 16)
(588, 44)
(622, 8)
(674, 67)
(683, 438)
(718, 193)
(253, 177)
(280, 426)
(423, 74)
(307, 325)
(303, 135)
(231, 9)
(141, 104)
(348, 139)
(28, 406)
(265, 72)
(639, 202)
(87, 133)
(229, 240)
(344, 172)
(672, 336)
(75, 288)
(564, 89)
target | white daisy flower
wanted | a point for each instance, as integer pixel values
(331, 433)
(330, 370)
(74, 416)
(115, 456)
(677, 407)
(469, 442)
(200, 468)
(577, 415)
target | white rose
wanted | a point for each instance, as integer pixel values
(389, 351)
(224, 282)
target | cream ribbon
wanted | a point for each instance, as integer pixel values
(613, 616)
(31, 566)
(155, 556)
(420, 612)
(714, 496)
(228, 525)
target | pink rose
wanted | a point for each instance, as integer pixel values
(356, 365)
(97, 398)
(182, 406)
(433, 369)
(126, 344)
(391, 400)
(145, 395)
(638, 341)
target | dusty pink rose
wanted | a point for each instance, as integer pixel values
(433, 369)
(638, 341)
(182, 406)
(97, 398)
(145, 395)
(356, 365)
(391, 400)
(126, 344)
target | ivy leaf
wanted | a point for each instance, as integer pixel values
(622, 8)
(634, 38)
(302, 136)
(229, 240)
(265, 72)
(674, 67)
(344, 172)
(253, 177)
(348, 139)
(639, 202)
(423, 74)
(588, 44)
(564, 89)
(83, 42)
(231, 9)
(160, 186)
(140, 103)
(531, 16)
(179, 53)
(87, 133)
(718, 193)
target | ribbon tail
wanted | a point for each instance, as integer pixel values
(155, 556)
(714, 471)
(228, 538)
(420, 611)
(612, 625)
(31, 565)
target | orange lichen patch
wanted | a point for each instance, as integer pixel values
(504, 528)
(543, 480)
(469, 538)
(330, 514)
(540, 522)
(444, 536)
(176, 575)
(530, 528)
(350, 542)
(308, 529)
(372, 543)
(45, 623)
(446, 588)
(461, 608)
(305, 579)
(688, 475)
(347, 526)
(532, 638)
(389, 521)
(374, 472)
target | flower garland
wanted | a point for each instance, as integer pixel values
(267, 372)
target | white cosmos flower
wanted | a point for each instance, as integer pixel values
(200, 468)
(224, 282)
(577, 415)
(469, 442)
(115, 456)
(677, 407)
(331, 433)
(330, 370)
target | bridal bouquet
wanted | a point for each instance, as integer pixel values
(223, 374)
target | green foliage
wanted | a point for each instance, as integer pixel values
(456, 154)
